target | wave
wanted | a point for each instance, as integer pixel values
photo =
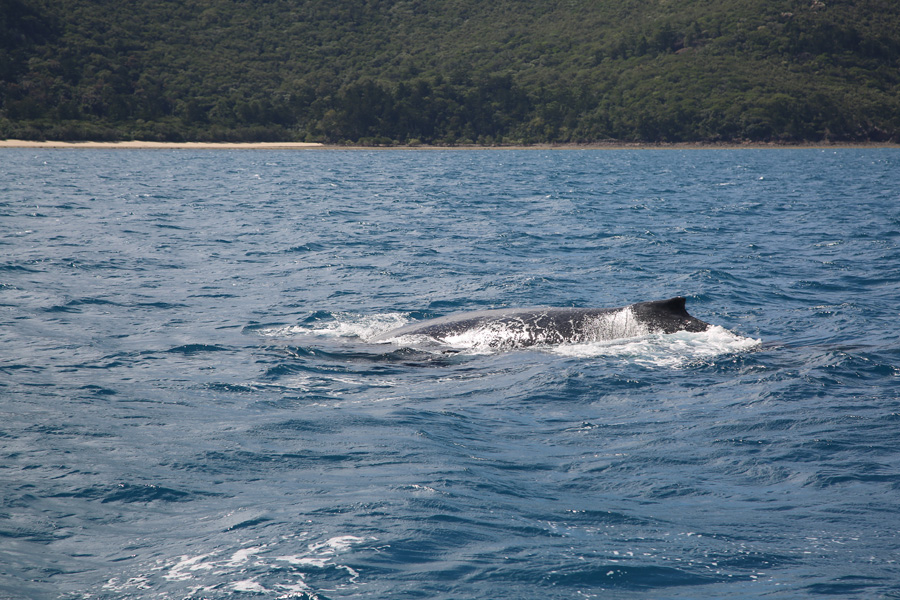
(260, 568)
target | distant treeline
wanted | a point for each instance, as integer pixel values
(450, 71)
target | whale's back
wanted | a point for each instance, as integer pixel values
(522, 327)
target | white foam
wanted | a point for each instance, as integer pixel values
(297, 590)
(337, 544)
(344, 325)
(179, 571)
(489, 336)
(242, 556)
(666, 350)
(304, 561)
(249, 586)
(616, 325)
(234, 569)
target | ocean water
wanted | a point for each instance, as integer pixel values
(192, 406)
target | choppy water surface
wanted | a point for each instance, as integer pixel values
(191, 405)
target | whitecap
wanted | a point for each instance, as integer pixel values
(342, 325)
(666, 350)
(340, 543)
(249, 586)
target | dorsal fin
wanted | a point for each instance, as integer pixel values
(674, 305)
(669, 315)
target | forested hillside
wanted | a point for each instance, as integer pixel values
(450, 71)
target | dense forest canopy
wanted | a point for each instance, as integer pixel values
(450, 71)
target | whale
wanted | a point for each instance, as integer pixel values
(525, 327)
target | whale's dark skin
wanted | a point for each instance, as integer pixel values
(548, 326)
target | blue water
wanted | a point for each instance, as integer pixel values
(191, 406)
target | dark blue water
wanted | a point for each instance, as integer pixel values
(190, 406)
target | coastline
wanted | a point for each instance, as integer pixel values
(143, 145)
(140, 145)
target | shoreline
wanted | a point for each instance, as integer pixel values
(142, 145)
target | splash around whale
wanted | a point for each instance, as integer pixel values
(525, 327)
